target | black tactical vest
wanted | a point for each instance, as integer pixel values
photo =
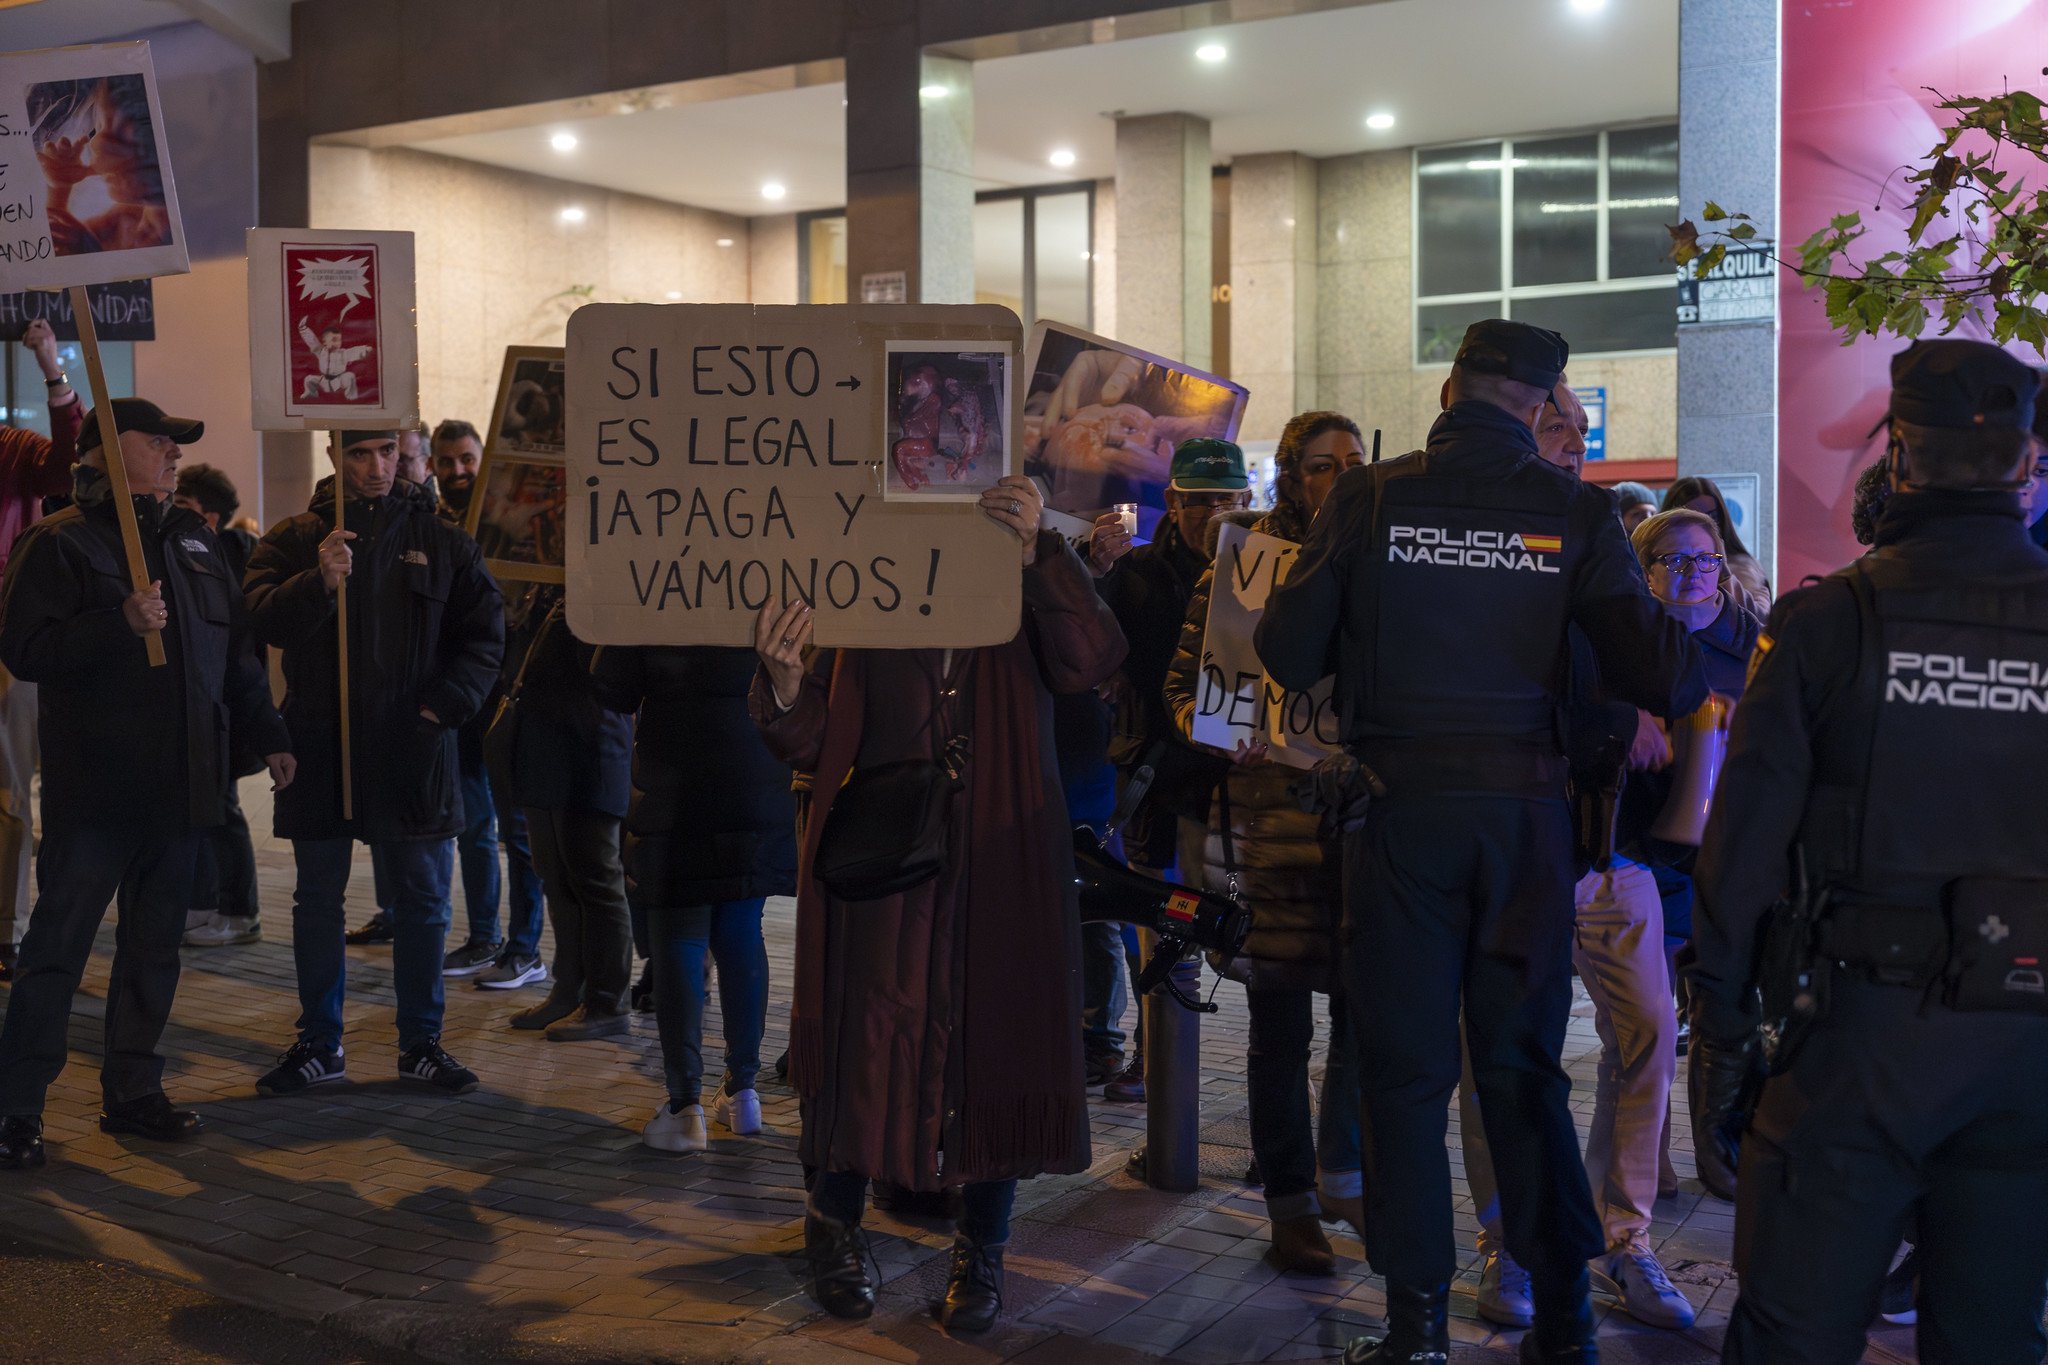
(1471, 588)
(1940, 757)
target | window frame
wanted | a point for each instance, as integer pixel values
(1507, 294)
(1028, 193)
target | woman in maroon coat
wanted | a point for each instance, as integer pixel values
(932, 1035)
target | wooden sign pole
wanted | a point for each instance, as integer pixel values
(341, 631)
(117, 468)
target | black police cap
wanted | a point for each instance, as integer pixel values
(1516, 350)
(1963, 385)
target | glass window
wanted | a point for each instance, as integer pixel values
(999, 254)
(1458, 202)
(1605, 320)
(1060, 253)
(1584, 251)
(1557, 210)
(1642, 196)
(28, 396)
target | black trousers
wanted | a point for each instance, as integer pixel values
(225, 877)
(1464, 903)
(1894, 1104)
(78, 872)
(577, 855)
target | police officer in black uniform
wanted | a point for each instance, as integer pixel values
(1888, 748)
(1440, 586)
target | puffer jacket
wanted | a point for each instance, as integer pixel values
(1286, 872)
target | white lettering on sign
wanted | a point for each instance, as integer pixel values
(1952, 680)
(1525, 552)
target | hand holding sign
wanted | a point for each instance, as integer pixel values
(1016, 503)
(780, 634)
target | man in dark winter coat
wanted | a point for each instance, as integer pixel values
(425, 635)
(134, 766)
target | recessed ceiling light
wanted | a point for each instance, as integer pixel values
(573, 214)
(563, 142)
(774, 189)
(1211, 53)
(1086, 256)
(725, 241)
(1588, 6)
(674, 295)
(1379, 122)
(1062, 157)
(934, 92)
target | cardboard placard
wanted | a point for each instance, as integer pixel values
(530, 415)
(86, 194)
(1101, 420)
(122, 311)
(725, 455)
(331, 330)
(1235, 700)
(518, 516)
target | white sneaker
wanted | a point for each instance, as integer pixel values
(1505, 1299)
(225, 931)
(198, 919)
(1634, 1276)
(741, 1113)
(676, 1130)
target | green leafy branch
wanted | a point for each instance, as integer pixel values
(1977, 243)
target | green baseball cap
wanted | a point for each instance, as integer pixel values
(1204, 463)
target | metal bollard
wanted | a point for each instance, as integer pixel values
(1173, 1088)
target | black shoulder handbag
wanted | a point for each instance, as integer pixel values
(888, 827)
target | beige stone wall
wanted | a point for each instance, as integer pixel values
(1365, 323)
(772, 259)
(495, 261)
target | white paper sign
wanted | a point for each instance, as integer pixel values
(1235, 700)
(86, 195)
(331, 330)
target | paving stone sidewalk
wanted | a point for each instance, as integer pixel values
(526, 1221)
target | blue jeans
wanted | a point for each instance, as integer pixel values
(420, 871)
(678, 938)
(476, 849)
(842, 1196)
(523, 936)
(78, 871)
(1283, 1029)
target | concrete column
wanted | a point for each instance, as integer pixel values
(1728, 372)
(1162, 235)
(909, 165)
(1365, 314)
(1273, 287)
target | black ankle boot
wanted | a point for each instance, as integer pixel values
(839, 1269)
(1564, 1329)
(1418, 1330)
(974, 1290)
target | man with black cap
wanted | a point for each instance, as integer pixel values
(1439, 587)
(425, 634)
(134, 765)
(1884, 761)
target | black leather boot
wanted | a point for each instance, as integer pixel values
(974, 1289)
(21, 1142)
(1564, 1329)
(839, 1268)
(150, 1116)
(1418, 1330)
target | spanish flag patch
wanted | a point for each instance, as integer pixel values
(1542, 545)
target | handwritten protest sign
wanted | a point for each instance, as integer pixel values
(725, 455)
(1235, 699)
(86, 194)
(331, 339)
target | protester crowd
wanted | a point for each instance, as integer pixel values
(1515, 801)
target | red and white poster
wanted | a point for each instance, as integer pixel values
(1859, 103)
(331, 329)
(330, 318)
